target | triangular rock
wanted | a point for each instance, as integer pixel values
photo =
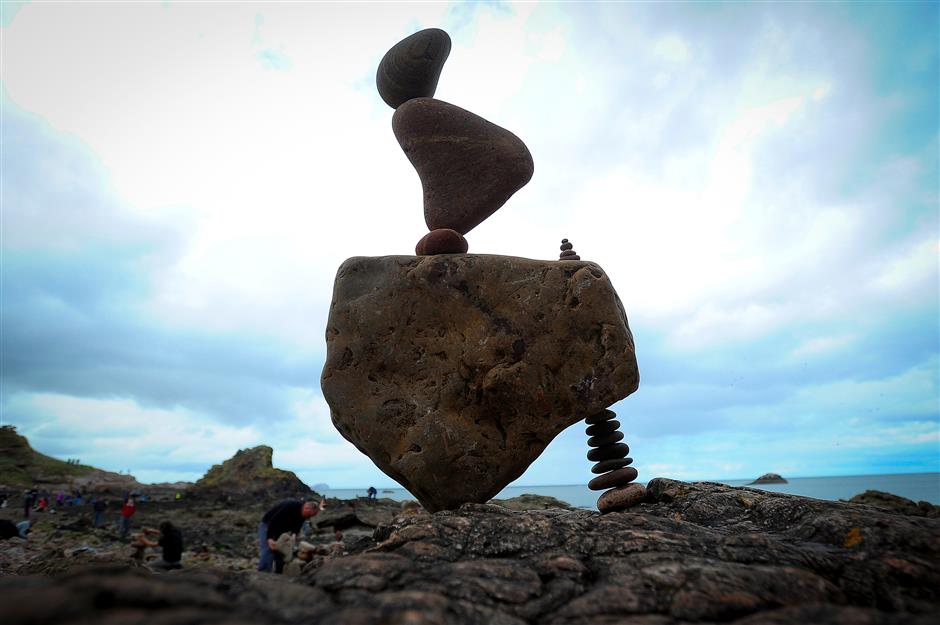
(468, 166)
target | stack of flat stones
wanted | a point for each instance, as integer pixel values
(469, 167)
(567, 251)
(612, 463)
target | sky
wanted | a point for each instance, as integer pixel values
(180, 181)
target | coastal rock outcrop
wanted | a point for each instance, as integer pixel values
(769, 478)
(690, 553)
(453, 373)
(894, 503)
(249, 473)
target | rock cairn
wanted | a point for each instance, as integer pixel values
(612, 463)
(469, 167)
(567, 251)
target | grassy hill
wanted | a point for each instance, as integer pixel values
(21, 465)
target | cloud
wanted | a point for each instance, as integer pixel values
(764, 202)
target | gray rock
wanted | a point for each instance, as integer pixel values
(452, 373)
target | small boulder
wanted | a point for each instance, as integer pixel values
(412, 67)
(469, 167)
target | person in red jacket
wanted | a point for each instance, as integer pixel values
(127, 511)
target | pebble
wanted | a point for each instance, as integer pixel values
(609, 465)
(620, 477)
(469, 167)
(606, 439)
(442, 241)
(599, 429)
(609, 452)
(412, 67)
(600, 417)
(621, 498)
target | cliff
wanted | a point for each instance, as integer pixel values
(250, 473)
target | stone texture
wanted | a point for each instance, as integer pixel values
(600, 429)
(620, 477)
(621, 498)
(600, 417)
(452, 373)
(605, 439)
(608, 452)
(690, 553)
(412, 67)
(442, 241)
(609, 465)
(468, 166)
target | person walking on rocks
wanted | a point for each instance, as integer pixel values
(127, 511)
(98, 506)
(286, 517)
(372, 493)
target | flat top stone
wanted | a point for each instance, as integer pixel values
(452, 373)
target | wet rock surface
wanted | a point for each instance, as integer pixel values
(448, 373)
(691, 553)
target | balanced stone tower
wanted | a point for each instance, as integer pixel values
(453, 371)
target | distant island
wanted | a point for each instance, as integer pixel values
(769, 478)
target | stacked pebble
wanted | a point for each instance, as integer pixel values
(612, 463)
(567, 253)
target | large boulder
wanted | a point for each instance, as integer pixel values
(453, 372)
(250, 473)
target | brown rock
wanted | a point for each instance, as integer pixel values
(448, 372)
(609, 452)
(609, 465)
(621, 498)
(468, 166)
(605, 439)
(620, 477)
(412, 67)
(441, 241)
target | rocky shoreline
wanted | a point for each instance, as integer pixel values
(690, 553)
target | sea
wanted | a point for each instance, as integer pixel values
(916, 486)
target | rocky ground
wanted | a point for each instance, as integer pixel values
(692, 553)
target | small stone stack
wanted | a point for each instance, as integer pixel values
(469, 167)
(567, 251)
(612, 462)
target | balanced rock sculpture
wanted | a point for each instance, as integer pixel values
(453, 371)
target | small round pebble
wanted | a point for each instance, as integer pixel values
(606, 439)
(609, 452)
(620, 477)
(442, 241)
(599, 429)
(609, 465)
(621, 498)
(600, 417)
